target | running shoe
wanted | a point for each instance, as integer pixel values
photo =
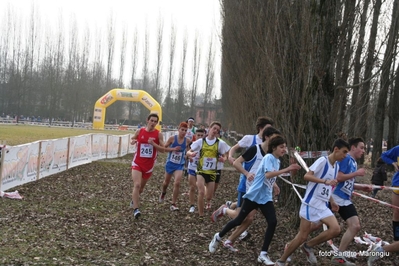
(162, 197)
(218, 213)
(309, 254)
(375, 255)
(341, 260)
(136, 213)
(131, 204)
(264, 259)
(214, 243)
(228, 203)
(279, 263)
(244, 235)
(227, 244)
(289, 257)
(192, 209)
(208, 206)
(173, 207)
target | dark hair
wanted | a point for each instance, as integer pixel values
(340, 143)
(199, 130)
(268, 132)
(379, 161)
(274, 141)
(355, 141)
(152, 115)
(215, 123)
(262, 121)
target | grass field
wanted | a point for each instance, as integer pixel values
(20, 134)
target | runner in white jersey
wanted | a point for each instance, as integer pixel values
(249, 140)
(191, 129)
(192, 176)
(314, 207)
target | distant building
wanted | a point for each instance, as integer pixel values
(210, 113)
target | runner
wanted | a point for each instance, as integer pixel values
(175, 164)
(260, 196)
(321, 177)
(192, 176)
(342, 196)
(247, 164)
(249, 140)
(144, 159)
(209, 148)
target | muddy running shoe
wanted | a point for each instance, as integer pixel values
(161, 197)
(218, 213)
(214, 243)
(309, 254)
(228, 204)
(244, 235)
(192, 209)
(136, 213)
(264, 259)
(289, 258)
(227, 244)
(375, 255)
(173, 207)
(279, 263)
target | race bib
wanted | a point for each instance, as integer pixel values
(146, 150)
(347, 188)
(323, 192)
(176, 156)
(209, 163)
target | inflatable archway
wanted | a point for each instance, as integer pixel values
(124, 95)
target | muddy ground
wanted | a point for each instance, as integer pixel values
(82, 217)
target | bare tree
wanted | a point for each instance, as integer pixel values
(393, 113)
(179, 107)
(343, 65)
(385, 81)
(195, 72)
(157, 94)
(364, 94)
(133, 75)
(353, 109)
(145, 73)
(168, 98)
(209, 78)
(122, 58)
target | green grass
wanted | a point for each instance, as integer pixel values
(20, 134)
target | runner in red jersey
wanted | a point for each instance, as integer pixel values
(148, 141)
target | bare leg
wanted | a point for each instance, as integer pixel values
(353, 228)
(176, 186)
(191, 194)
(166, 182)
(201, 194)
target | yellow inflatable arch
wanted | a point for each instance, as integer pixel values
(124, 95)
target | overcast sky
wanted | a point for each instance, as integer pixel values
(202, 16)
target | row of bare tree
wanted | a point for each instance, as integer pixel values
(61, 73)
(318, 67)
